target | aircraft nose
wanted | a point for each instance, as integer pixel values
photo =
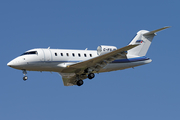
(14, 63)
(17, 63)
(10, 64)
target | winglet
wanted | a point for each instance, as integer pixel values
(154, 31)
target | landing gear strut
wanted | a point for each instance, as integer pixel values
(91, 75)
(25, 77)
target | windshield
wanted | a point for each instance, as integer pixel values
(30, 53)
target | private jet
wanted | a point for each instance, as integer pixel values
(76, 65)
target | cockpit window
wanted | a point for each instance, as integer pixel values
(30, 53)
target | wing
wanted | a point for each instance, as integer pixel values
(72, 73)
(99, 61)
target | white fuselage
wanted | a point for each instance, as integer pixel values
(56, 60)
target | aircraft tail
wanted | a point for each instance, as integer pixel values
(144, 38)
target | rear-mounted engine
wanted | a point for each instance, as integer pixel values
(102, 49)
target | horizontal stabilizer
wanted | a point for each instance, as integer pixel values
(154, 31)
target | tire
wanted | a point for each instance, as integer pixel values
(91, 75)
(25, 78)
(79, 82)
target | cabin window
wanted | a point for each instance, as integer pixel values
(79, 54)
(90, 55)
(73, 54)
(55, 54)
(84, 55)
(61, 54)
(67, 54)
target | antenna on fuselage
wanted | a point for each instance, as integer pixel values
(49, 47)
(86, 48)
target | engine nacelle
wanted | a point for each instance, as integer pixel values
(105, 49)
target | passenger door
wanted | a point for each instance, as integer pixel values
(47, 55)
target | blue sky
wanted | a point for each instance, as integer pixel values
(147, 92)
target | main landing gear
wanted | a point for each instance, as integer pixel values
(91, 75)
(25, 77)
(79, 82)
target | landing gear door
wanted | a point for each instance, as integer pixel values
(47, 55)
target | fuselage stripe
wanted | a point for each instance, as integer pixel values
(130, 60)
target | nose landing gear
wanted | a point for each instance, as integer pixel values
(25, 77)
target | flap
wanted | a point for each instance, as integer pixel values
(68, 78)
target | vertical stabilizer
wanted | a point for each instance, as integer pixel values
(144, 38)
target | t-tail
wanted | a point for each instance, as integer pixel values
(144, 39)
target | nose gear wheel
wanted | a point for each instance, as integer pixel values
(25, 77)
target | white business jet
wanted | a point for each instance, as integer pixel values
(76, 65)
